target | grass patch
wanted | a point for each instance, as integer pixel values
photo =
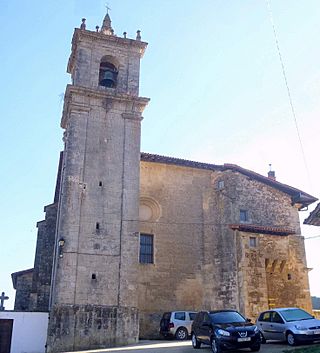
(311, 349)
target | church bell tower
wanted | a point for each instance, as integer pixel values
(94, 300)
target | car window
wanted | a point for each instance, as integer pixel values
(265, 316)
(199, 317)
(275, 317)
(180, 315)
(227, 317)
(206, 318)
(192, 316)
(295, 315)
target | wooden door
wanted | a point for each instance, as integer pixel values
(5, 335)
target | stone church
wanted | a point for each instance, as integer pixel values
(130, 235)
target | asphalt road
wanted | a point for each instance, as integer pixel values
(184, 347)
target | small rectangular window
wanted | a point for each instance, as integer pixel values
(180, 316)
(243, 216)
(253, 242)
(146, 249)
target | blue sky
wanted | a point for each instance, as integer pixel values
(216, 87)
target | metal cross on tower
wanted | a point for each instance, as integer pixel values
(3, 297)
(107, 7)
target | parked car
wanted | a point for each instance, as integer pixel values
(177, 324)
(224, 330)
(293, 325)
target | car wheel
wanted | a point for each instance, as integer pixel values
(255, 348)
(195, 343)
(291, 339)
(181, 334)
(215, 347)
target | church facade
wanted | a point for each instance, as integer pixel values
(131, 235)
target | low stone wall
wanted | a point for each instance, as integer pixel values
(79, 327)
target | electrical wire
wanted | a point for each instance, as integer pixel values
(288, 91)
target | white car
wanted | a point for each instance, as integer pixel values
(177, 324)
(293, 325)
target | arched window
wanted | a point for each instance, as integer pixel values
(108, 74)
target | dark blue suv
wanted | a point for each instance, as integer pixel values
(224, 330)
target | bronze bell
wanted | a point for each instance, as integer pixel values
(108, 76)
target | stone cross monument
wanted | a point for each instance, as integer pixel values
(3, 297)
(94, 300)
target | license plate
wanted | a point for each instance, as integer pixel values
(316, 332)
(244, 339)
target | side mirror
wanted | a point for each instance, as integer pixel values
(248, 320)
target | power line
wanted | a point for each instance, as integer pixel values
(288, 91)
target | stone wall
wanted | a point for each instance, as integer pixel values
(23, 287)
(199, 261)
(194, 266)
(41, 281)
(79, 327)
(272, 274)
(316, 314)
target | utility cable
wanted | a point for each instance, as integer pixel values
(288, 91)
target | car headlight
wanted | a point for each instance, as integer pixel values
(301, 328)
(221, 332)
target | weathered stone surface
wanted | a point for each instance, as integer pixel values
(273, 274)
(41, 282)
(99, 201)
(200, 262)
(22, 282)
(78, 327)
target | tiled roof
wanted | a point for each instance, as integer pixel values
(252, 228)
(148, 157)
(298, 196)
(314, 217)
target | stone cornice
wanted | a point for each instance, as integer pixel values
(90, 36)
(132, 116)
(138, 103)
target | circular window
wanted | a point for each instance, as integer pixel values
(149, 209)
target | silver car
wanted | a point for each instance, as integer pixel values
(293, 325)
(177, 324)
